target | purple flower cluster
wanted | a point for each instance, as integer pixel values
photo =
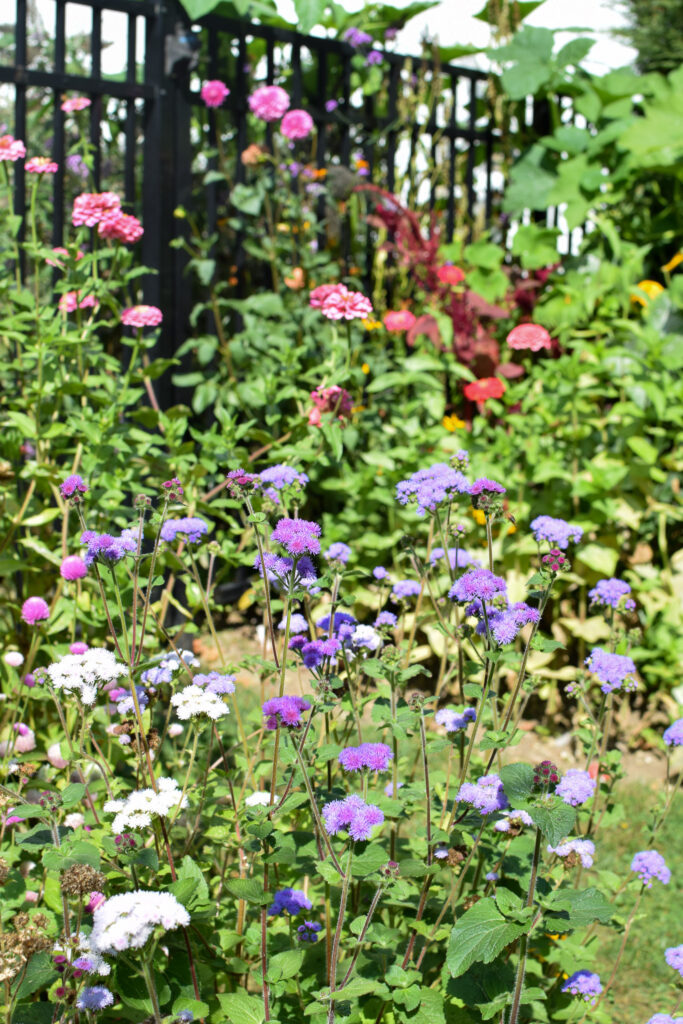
(611, 594)
(665, 1018)
(584, 984)
(307, 932)
(297, 536)
(583, 848)
(276, 478)
(73, 484)
(485, 486)
(214, 682)
(340, 619)
(338, 552)
(479, 584)
(453, 720)
(576, 787)
(513, 819)
(458, 558)
(107, 548)
(297, 624)
(284, 711)
(613, 670)
(504, 624)
(556, 531)
(403, 589)
(352, 814)
(387, 619)
(97, 997)
(648, 865)
(486, 795)
(355, 37)
(673, 736)
(674, 957)
(314, 652)
(432, 487)
(190, 529)
(379, 572)
(293, 901)
(373, 756)
(279, 570)
(486, 495)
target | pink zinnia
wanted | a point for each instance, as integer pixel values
(485, 387)
(450, 274)
(92, 207)
(401, 320)
(121, 227)
(34, 609)
(73, 568)
(11, 148)
(214, 92)
(332, 399)
(72, 300)
(41, 165)
(531, 336)
(75, 103)
(142, 316)
(346, 305)
(269, 102)
(319, 294)
(78, 647)
(296, 124)
(59, 250)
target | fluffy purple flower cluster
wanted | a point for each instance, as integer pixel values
(486, 794)
(613, 670)
(453, 720)
(483, 485)
(576, 787)
(297, 624)
(314, 652)
(293, 901)
(513, 819)
(373, 756)
(96, 997)
(665, 1018)
(73, 484)
(386, 619)
(504, 623)
(379, 572)
(284, 711)
(674, 957)
(276, 478)
(214, 682)
(458, 558)
(432, 487)
(648, 865)
(479, 584)
(486, 494)
(583, 848)
(105, 547)
(340, 619)
(403, 589)
(356, 37)
(611, 593)
(352, 814)
(190, 529)
(556, 531)
(338, 552)
(279, 570)
(584, 984)
(673, 736)
(297, 536)
(307, 932)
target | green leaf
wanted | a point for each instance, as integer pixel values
(369, 861)
(580, 908)
(241, 1008)
(535, 245)
(479, 936)
(309, 13)
(545, 644)
(284, 965)
(191, 888)
(72, 794)
(247, 889)
(643, 449)
(599, 558)
(198, 8)
(554, 822)
(39, 973)
(518, 780)
(247, 199)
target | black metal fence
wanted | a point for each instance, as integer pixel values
(147, 124)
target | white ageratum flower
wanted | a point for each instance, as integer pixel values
(193, 701)
(138, 809)
(126, 921)
(259, 798)
(84, 673)
(88, 961)
(366, 636)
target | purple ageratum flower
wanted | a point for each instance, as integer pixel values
(354, 37)
(665, 1018)
(556, 531)
(297, 624)
(432, 487)
(648, 865)
(441, 851)
(379, 572)
(190, 529)
(340, 619)
(576, 787)
(279, 570)
(292, 901)
(34, 609)
(584, 984)
(373, 756)
(214, 682)
(76, 164)
(297, 536)
(485, 486)
(307, 932)
(458, 558)
(389, 788)
(374, 57)
(338, 552)
(486, 795)
(454, 721)
(674, 957)
(613, 670)
(352, 814)
(276, 478)
(314, 653)
(73, 484)
(403, 589)
(284, 711)
(583, 848)
(105, 547)
(126, 705)
(331, 105)
(479, 584)
(673, 736)
(97, 997)
(388, 619)
(611, 593)
(513, 819)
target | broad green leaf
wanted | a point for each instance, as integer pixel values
(479, 936)
(555, 822)
(39, 973)
(248, 889)
(284, 965)
(580, 908)
(598, 557)
(241, 1008)
(518, 780)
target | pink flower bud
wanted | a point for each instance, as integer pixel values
(54, 756)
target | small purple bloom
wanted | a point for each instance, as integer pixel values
(379, 572)
(404, 589)
(374, 57)
(352, 814)
(611, 594)
(340, 619)
(584, 984)
(613, 670)
(432, 487)
(513, 819)
(386, 619)
(479, 584)
(576, 787)
(338, 552)
(673, 736)
(276, 478)
(484, 486)
(105, 547)
(314, 653)
(355, 37)
(307, 932)
(190, 529)
(297, 536)
(293, 901)
(674, 958)
(583, 848)
(73, 484)
(284, 711)
(95, 998)
(648, 864)
(373, 756)
(331, 105)
(665, 1018)
(486, 795)
(452, 720)
(555, 531)
(441, 851)
(297, 624)
(214, 682)
(458, 558)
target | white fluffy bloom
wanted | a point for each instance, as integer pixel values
(74, 820)
(366, 636)
(126, 921)
(137, 810)
(14, 658)
(260, 798)
(89, 961)
(85, 672)
(193, 701)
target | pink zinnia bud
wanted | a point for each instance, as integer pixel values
(41, 165)
(73, 568)
(141, 316)
(214, 92)
(75, 103)
(296, 124)
(34, 609)
(96, 900)
(400, 320)
(269, 102)
(79, 647)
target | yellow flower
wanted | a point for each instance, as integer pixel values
(478, 516)
(371, 325)
(651, 288)
(358, 408)
(452, 423)
(673, 262)
(365, 368)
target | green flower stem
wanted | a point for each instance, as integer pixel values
(316, 814)
(336, 944)
(148, 975)
(266, 585)
(524, 942)
(627, 929)
(673, 790)
(361, 936)
(193, 754)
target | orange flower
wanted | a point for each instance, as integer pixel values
(486, 387)
(651, 288)
(674, 262)
(252, 155)
(297, 280)
(450, 274)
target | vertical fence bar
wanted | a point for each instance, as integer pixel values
(96, 107)
(452, 157)
(130, 133)
(471, 147)
(20, 57)
(58, 146)
(296, 74)
(392, 119)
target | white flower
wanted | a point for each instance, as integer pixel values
(14, 658)
(74, 820)
(85, 672)
(193, 701)
(260, 798)
(172, 660)
(126, 921)
(137, 809)
(175, 729)
(95, 963)
(366, 636)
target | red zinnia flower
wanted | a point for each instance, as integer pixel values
(399, 320)
(531, 336)
(486, 387)
(450, 274)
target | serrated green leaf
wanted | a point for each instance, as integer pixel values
(555, 822)
(479, 936)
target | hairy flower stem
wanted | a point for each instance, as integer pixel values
(336, 944)
(524, 942)
(428, 795)
(361, 936)
(266, 586)
(148, 975)
(627, 929)
(315, 811)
